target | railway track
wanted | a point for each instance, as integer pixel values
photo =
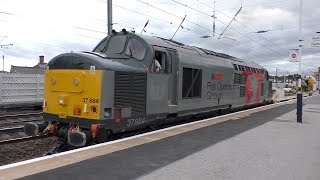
(11, 126)
(11, 130)
(14, 120)
(21, 139)
(32, 114)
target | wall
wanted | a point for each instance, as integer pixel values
(21, 88)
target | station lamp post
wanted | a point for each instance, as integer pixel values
(299, 95)
(4, 46)
(318, 87)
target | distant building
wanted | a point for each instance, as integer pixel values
(37, 69)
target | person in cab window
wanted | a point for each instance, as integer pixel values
(157, 65)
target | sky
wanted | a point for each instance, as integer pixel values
(49, 28)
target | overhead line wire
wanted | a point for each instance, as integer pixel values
(141, 13)
(174, 15)
(252, 5)
(2, 12)
(230, 27)
(207, 15)
(155, 17)
(250, 29)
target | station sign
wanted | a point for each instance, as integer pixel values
(315, 42)
(294, 55)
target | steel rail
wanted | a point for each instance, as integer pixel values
(21, 139)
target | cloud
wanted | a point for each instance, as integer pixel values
(42, 27)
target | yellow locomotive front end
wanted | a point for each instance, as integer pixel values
(88, 96)
(73, 93)
(71, 105)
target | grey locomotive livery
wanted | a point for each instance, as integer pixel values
(151, 80)
(191, 80)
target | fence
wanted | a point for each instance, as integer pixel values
(21, 88)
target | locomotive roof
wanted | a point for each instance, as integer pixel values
(183, 49)
(159, 41)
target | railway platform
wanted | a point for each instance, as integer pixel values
(260, 143)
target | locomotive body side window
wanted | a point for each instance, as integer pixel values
(135, 49)
(191, 84)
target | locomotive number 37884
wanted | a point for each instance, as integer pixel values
(136, 121)
(90, 100)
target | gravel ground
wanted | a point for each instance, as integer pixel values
(20, 151)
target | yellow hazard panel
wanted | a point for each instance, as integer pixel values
(75, 93)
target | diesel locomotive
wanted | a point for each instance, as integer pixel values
(116, 87)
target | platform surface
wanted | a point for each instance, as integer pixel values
(264, 144)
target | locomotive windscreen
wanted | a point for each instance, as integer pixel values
(115, 45)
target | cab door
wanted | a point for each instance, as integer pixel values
(173, 71)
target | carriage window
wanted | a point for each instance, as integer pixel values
(191, 84)
(160, 63)
(135, 49)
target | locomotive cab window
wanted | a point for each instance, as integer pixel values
(160, 62)
(115, 45)
(135, 49)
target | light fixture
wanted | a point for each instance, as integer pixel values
(61, 100)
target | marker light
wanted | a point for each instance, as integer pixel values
(76, 82)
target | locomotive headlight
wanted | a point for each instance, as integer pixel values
(61, 100)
